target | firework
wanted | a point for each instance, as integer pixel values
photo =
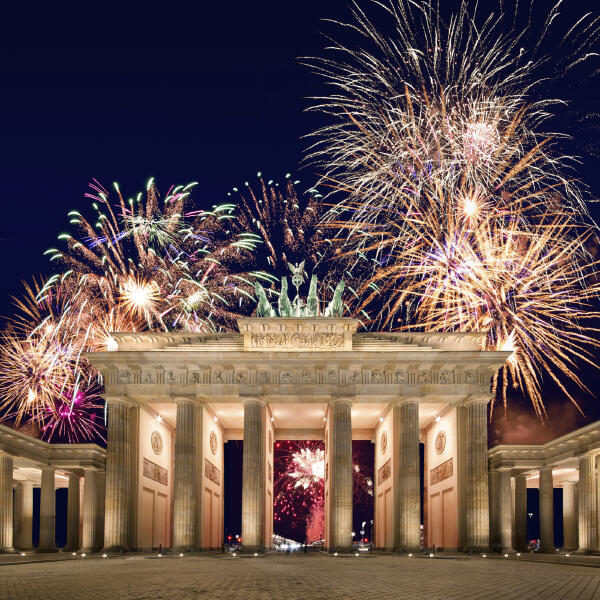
(283, 221)
(34, 373)
(299, 487)
(74, 420)
(42, 369)
(286, 225)
(460, 211)
(158, 262)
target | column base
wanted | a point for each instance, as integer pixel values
(252, 549)
(46, 550)
(116, 550)
(507, 551)
(345, 550)
(407, 550)
(551, 550)
(9, 550)
(184, 549)
(477, 550)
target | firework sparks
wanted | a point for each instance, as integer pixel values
(74, 420)
(309, 467)
(461, 212)
(299, 488)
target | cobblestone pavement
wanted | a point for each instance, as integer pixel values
(296, 577)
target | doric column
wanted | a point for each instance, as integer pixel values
(521, 511)
(588, 511)
(184, 506)
(26, 527)
(17, 505)
(253, 473)
(407, 482)
(478, 516)
(101, 498)
(546, 510)
(90, 510)
(340, 475)
(6, 503)
(73, 512)
(505, 511)
(116, 511)
(494, 510)
(47, 510)
(570, 515)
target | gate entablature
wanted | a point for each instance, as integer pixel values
(298, 357)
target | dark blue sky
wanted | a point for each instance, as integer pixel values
(207, 92)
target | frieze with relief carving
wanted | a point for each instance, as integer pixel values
(306, 376)
(211, 472)
(441, 472)
(384, 472)
(156, 472)
(299, 341)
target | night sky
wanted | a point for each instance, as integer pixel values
(210, 92)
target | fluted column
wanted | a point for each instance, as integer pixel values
(253, 473)
(546, 510)
(6, 503)
(407, 484)
(90, 510)
(478, 517)
(521, 511)
(73, 512)
(505, 511)
(17, 505)
(26, 527)
(101, 498)
(494, 510)
(47, 510)
(570, 515)
(116, 511)
(184, 507)
(588, 511)
(340, 476)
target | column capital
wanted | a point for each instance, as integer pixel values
(473, 400)
(589, 453)
(253, 400)
(568, 484)
(406, 400)
(342, 400)
(183, 399)
(117, 400)
(545, 469)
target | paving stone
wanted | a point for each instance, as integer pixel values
(296, 577)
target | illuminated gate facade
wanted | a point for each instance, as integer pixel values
(174, 400)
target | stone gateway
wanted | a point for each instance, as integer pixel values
(295, 378)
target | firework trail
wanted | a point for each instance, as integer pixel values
(299, 488)
(158, 261)
(458, 211)
(287, 225)
(142, 264)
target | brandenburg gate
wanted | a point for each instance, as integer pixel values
(174, 399)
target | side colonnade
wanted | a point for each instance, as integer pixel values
(27, 463)
(570, 462)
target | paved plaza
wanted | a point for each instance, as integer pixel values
(296, 576)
